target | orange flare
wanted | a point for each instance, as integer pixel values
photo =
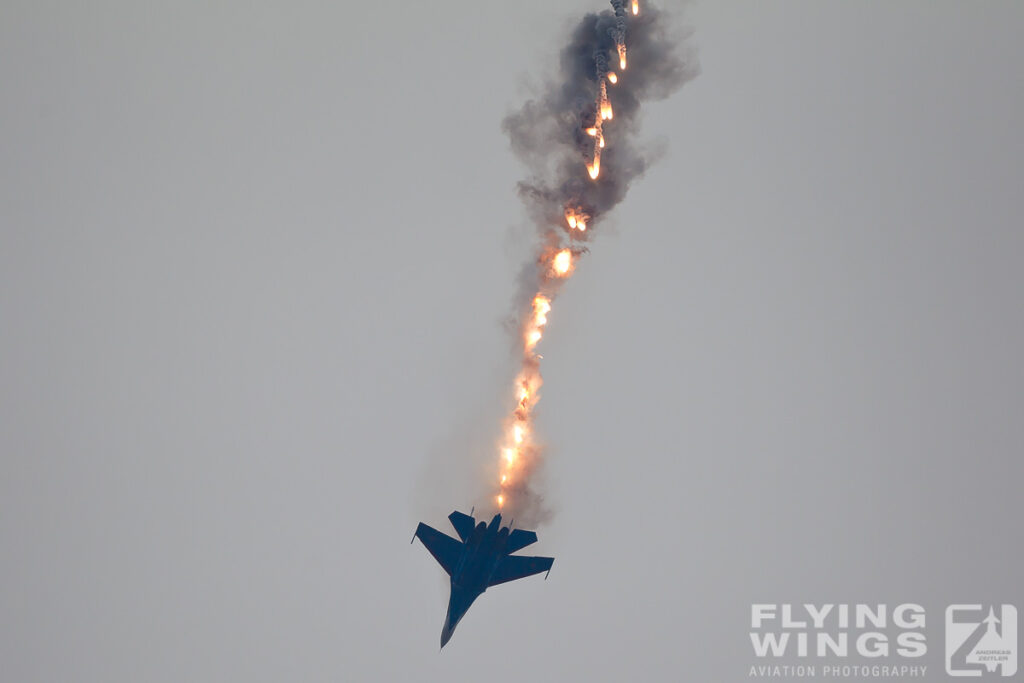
(595, 168)
(603, 105)
(517, 433)
(510, 455)
(592, 132)
(612, 78)
(541, 308)
(636, 7)
(622, 56)
(562, 262)
(501, 500)
(577, 220)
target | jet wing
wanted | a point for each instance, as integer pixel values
(514, 567)
(445, 549)
(462, 523)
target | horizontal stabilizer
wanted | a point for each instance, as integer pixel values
(514, 567)
(445, 549)
(519, 539)
(463, 524)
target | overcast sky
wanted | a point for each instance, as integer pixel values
(254, 260)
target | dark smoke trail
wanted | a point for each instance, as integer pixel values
(549, 132)
(577, 137)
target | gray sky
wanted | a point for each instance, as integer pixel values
(253, 265)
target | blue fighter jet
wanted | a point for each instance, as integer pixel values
(483, 558)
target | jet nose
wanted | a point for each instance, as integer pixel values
(446, 632)
(459, 602)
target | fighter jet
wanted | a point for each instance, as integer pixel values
(483, 558)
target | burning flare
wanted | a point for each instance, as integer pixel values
(541, 308)
(517, 439)
(576, 219)
(603, 103)
(518, 450)
(562, 262)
